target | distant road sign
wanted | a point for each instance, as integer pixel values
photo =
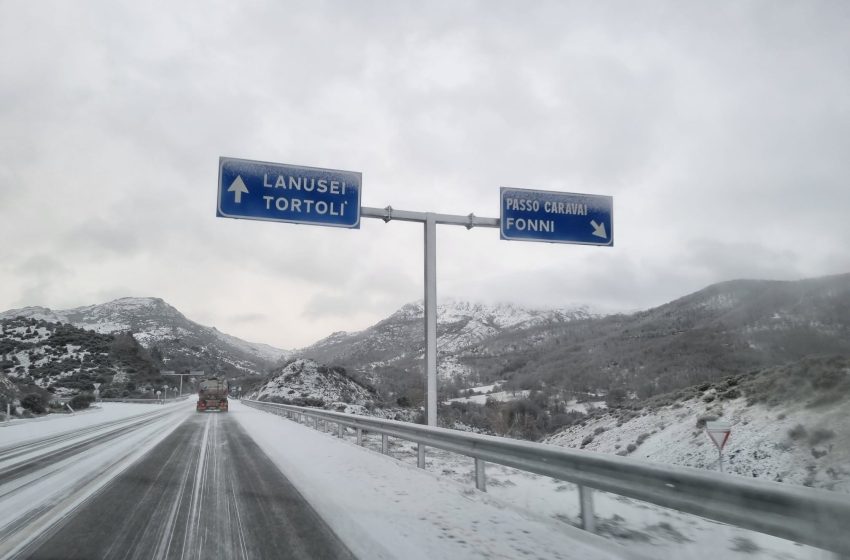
(256, 190)
(556, 217)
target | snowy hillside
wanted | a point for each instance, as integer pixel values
(182, 343)
(304, 382)
(65, 360)
(789, 424)
(724, 329)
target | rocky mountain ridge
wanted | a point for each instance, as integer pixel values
(724, 329)
(461, 326)
(174, 340)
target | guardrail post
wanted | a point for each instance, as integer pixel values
(480, 478)
(385, 443)
(420, 455)
(585, 496)
(341, 429)
(359, 436)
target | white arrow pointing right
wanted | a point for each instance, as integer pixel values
(238, 188)
(599, 229)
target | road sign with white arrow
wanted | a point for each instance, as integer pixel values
(256, 190)
(556, 217)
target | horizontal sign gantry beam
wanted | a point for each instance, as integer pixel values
(389, 213)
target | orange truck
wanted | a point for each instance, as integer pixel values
(212, 395)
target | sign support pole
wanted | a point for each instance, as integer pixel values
(429, 221)
(430, 312)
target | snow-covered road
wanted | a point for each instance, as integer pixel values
(205, 491)
(47, 469)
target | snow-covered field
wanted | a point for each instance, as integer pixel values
(501, 396)
(484, 393)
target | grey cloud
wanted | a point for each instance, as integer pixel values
(102, 239)
(41, 266)
(719, 260)
(39, 278)
(249, 318)
(720, 133)
(370, 291)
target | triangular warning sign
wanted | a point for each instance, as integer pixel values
(718, 432)
(719, 437)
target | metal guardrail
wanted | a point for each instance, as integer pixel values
(810, 516)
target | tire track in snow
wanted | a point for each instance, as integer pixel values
(54, 499)
(54, 448)
(207, 491)
(193, 521)
(18, 477)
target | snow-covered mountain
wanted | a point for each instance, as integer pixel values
(461, 326)
(724, 329)
(179, 342)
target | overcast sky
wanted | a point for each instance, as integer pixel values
(722, 130)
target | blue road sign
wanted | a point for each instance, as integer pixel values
(557, 217)
(256, 190)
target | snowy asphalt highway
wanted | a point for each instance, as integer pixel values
(162, 481)
(205, 491)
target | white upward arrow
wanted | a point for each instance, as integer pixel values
(238, 188)
(598, 229)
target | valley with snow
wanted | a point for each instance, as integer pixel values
(770, 359)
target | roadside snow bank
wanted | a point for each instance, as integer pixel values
(382, 508)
